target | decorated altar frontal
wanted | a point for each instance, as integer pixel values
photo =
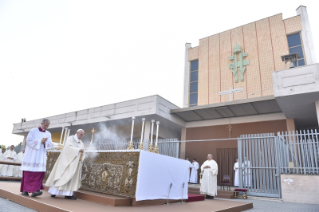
(131, 173)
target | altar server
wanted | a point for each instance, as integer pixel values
(190, 166)
(209, 180)
(34, 161)
(247, 173)
(9, 156)
(18, 172)
(194, 171)
(236, 169)
(65, 177)
(1, 158)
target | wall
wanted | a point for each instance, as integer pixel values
(200, 149)
(265, 41)
(300, 188)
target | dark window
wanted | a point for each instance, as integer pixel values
(194, 87)
(294, 43)
(193, 99)
(193, 84)
(294, 40)
(194, 65)
(194, 76)
(297, 49)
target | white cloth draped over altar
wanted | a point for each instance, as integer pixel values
(156, 173)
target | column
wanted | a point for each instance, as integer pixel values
(317, 111)
(183, 144)
(291, 127)
(306, 34)
(186, 76)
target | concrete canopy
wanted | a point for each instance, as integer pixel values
(152, 107)
(237, 108)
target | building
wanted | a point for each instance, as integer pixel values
(261, 77)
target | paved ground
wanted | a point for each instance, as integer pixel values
(8, 206)
(275, 205)
(260, 205)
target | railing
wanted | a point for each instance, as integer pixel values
(299, 152)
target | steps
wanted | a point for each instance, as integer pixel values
(220, 193)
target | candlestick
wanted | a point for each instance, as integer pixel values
(156, 147)
(142, 134)
(61, 135)
(131, 146)
(150, 149)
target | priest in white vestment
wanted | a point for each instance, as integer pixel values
(194, 171)
(35, 159)
(18, 172)
(190, 166)
(246, 173)
(65, 177)
(1, 158)
(208, 182)
(236, 169)
(9, 156)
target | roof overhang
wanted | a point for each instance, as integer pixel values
(237, 108)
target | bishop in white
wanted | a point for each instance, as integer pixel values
(209, 180)
(9, 156)
(35, 159)
(65, 177)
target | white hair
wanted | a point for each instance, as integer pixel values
(79, 130)
(45, 120)
(210, 154)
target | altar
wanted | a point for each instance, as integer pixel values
(137, 174)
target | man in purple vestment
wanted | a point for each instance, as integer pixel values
(34, 161)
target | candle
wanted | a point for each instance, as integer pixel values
(152, 132)
(157, 123)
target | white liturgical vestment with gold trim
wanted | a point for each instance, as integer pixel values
(209, 179)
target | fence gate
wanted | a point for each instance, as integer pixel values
(259, 170)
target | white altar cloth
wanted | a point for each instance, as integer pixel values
(155, 174)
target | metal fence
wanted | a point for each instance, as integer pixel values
(299, 152)
(259, 171)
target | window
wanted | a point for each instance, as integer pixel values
(193, 84)
(294, 44)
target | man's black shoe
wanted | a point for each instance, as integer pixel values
(52, 195)
(36, 193)
(24, 193)
(70, 197)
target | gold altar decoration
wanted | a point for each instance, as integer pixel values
(140, 146)
(156, 149)
(106, 172)
(150, 148)
(131, 146)
(60, 147)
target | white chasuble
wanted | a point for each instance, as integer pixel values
(236, 178)
(35, 156)
(8, 170)
(194, 172)
(209, 179)
(65, 176)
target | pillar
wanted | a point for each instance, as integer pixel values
(317, 110)
(291, 127)
(306, 34)
(182, 148)
(186, 76)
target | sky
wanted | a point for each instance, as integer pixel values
(62, 56)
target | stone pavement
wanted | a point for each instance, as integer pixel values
(276, 205)
(8, 206)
